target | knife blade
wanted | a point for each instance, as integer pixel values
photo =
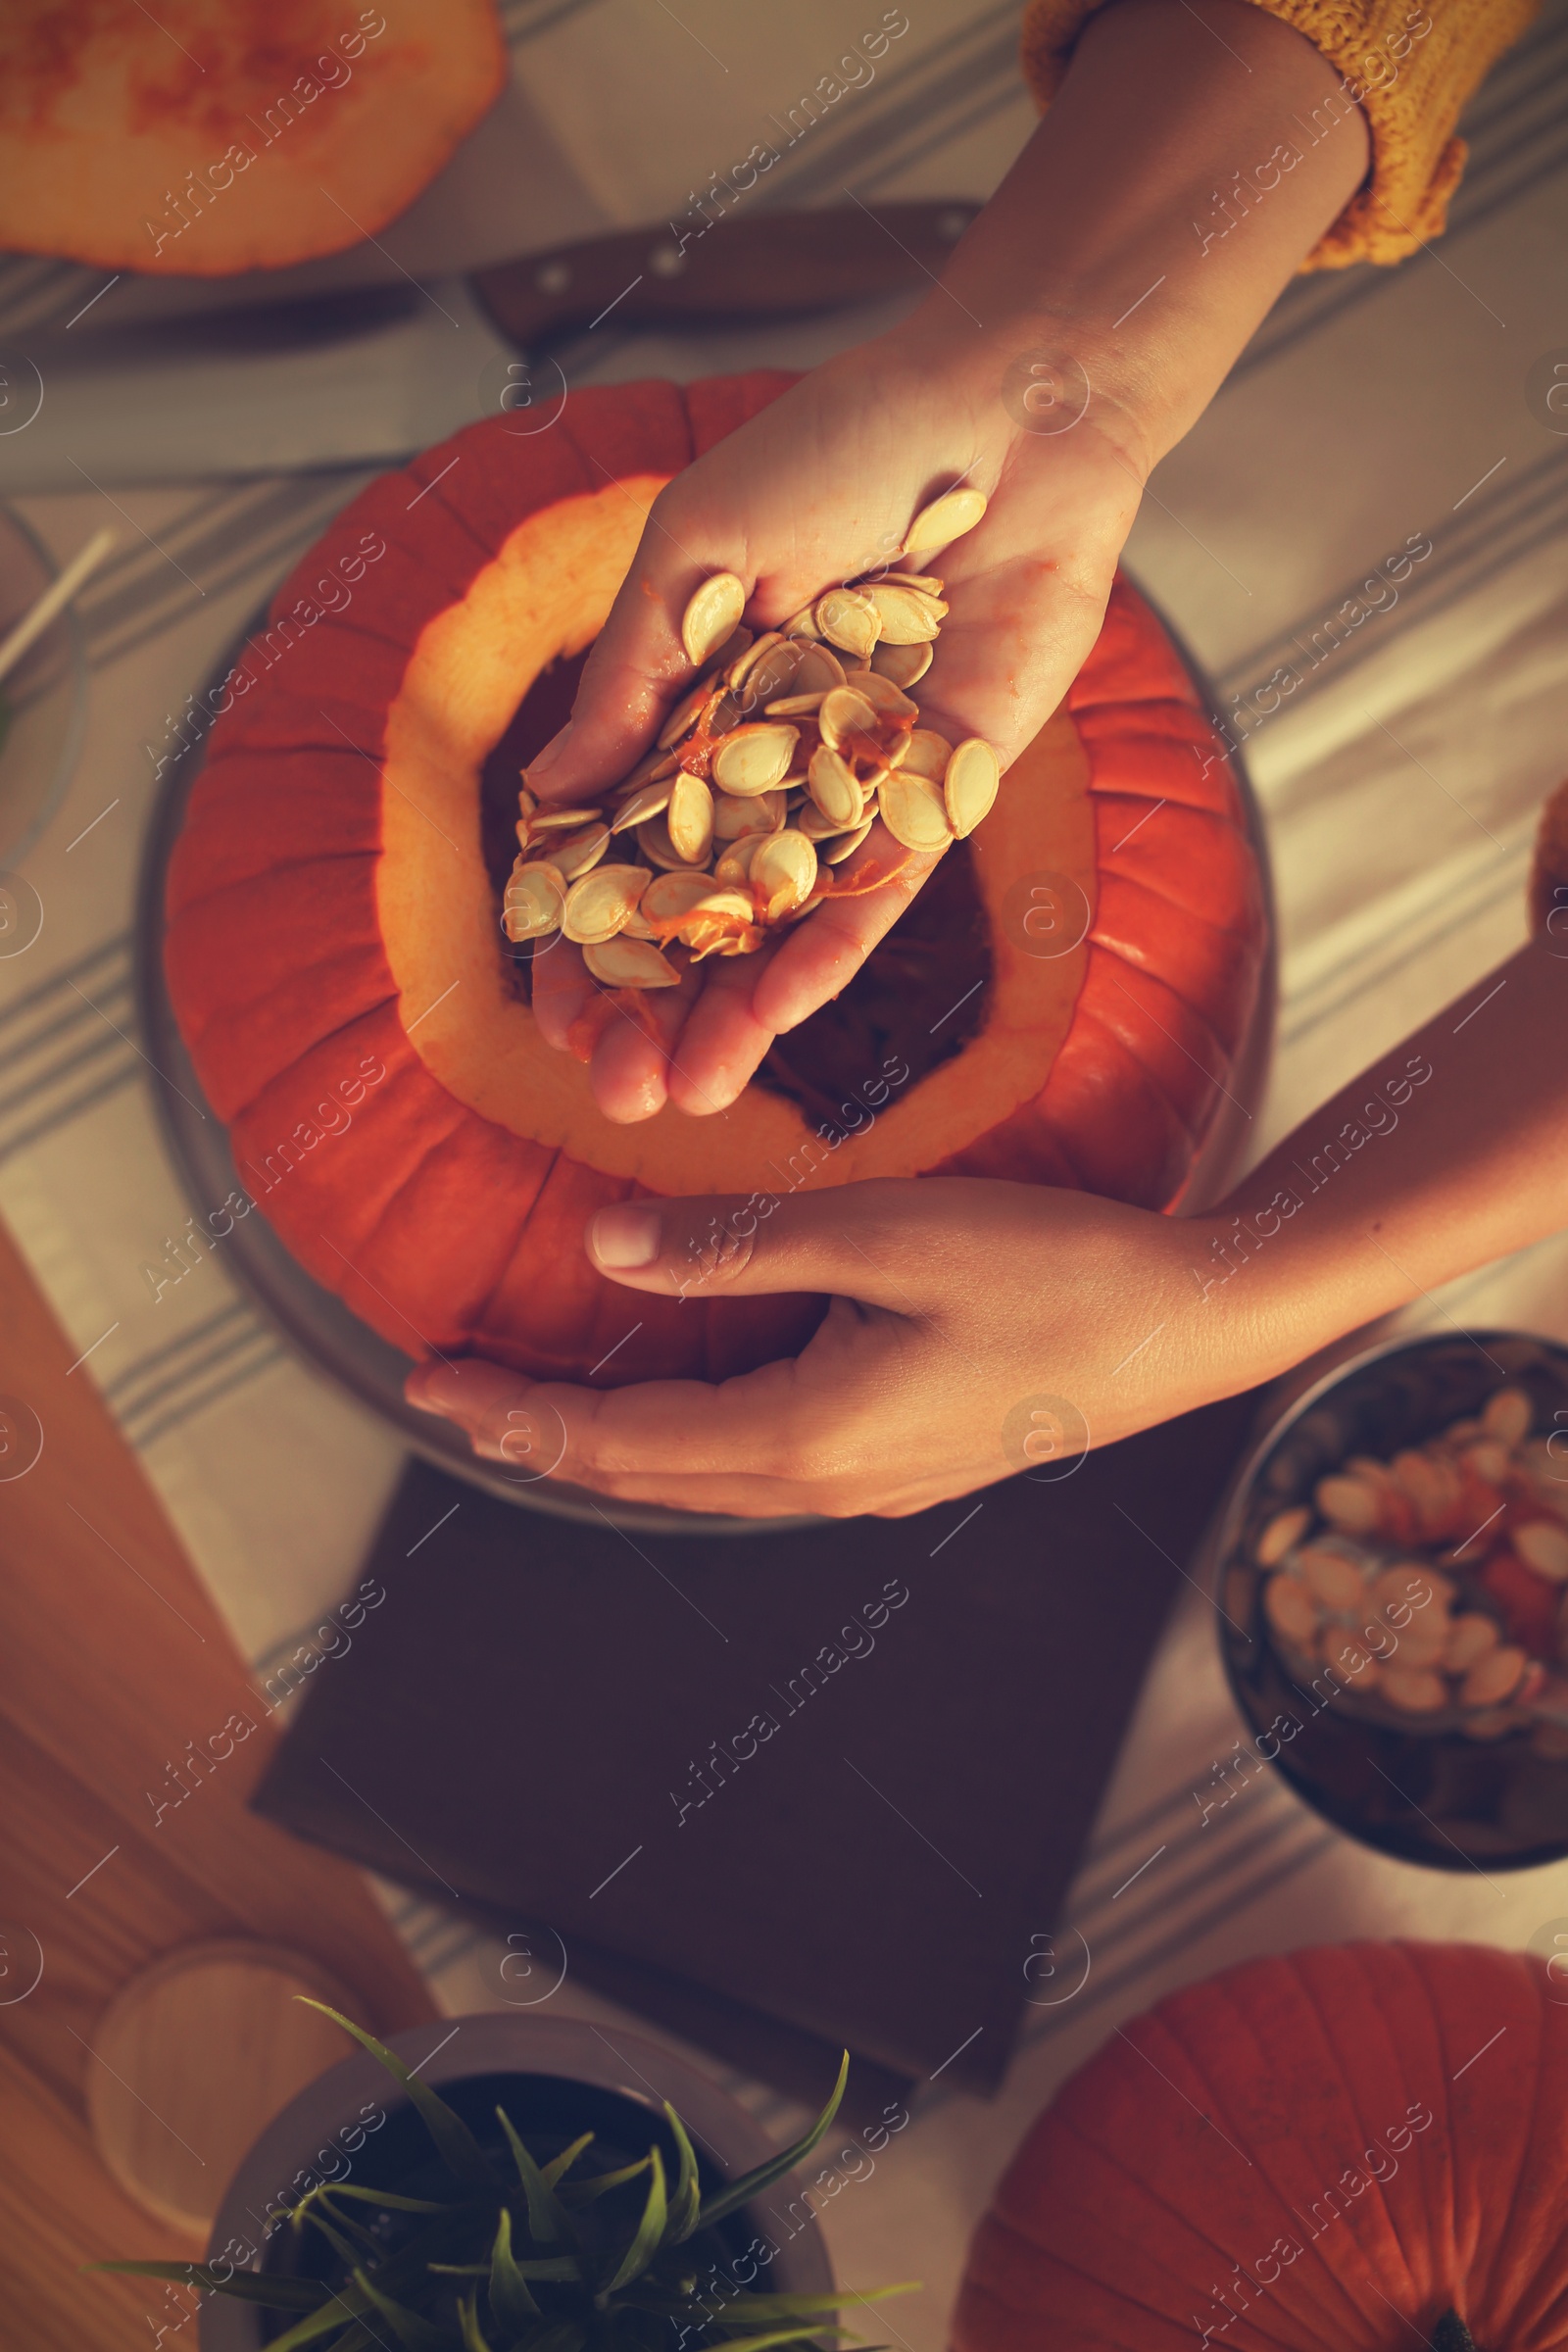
(370, 378)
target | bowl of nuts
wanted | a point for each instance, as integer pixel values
(1392, 1581)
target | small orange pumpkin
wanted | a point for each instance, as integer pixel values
(1350, 2149)
(333, 924)
(210, 136)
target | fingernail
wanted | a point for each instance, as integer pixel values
(625, 1237)
(434, 1387)
(550, 757)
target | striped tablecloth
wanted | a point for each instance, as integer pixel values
(1400, 776)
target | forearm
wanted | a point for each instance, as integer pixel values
(1450, 1150)
(1192, 159)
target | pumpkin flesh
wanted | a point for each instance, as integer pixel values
(200, 140)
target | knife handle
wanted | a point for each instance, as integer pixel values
(769, 266)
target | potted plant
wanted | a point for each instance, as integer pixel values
(545, 2198)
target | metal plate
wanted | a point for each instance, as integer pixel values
(334, 1341)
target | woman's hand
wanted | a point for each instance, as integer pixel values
(975, 1329)
(980, 1328)
(1082, 324)
(817, 488)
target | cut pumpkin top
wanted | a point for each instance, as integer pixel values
(205, 140)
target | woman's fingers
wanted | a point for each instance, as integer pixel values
(631, 1059)
(561, 988)
(825, 950)
(638, 665)
(723, 1043)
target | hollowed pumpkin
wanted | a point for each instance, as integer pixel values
(332, 913)
(210, 136)
(1329, 2152)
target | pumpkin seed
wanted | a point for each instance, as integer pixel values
(721, 907)
(736, 943)
(946, 519)
(906, 616)
(770, 676)
(557, 820)
(527, 803)
(833, 786)
(926, 753)
(670, 898)
(714, 607)
(905, 664)
(651, 799)
(734, 645)
(689, 820)
(652, 839)
(597, 905)
(652, 768)
(732, 867)
(533, 900)
(739, 670)
(721, 938)
(819, 828)
(755, 757)
(885, 698)
(1507, 1415)
(733, 818)
(925, 581)
(845, 712)
(970, 784)
(819, 669)
(630, 963)
(687, 711)
(848, 843)
(848, 617)
(914, 812)
(575, 853)
(783, 871)
(799, 624)
(795, 706)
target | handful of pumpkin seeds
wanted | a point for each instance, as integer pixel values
(768, 773)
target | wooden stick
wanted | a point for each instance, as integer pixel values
(55, 599)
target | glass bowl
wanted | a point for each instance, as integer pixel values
(1457, 1787)
(46, 694)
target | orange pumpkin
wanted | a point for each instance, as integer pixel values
(1326, 2152)
(332, 925)
(208, 136)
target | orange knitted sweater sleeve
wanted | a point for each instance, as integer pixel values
(1410, 67)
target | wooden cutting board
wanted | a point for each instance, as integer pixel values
(115, 1660)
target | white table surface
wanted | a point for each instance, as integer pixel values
(1399, 787)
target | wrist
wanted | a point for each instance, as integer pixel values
(1168, 194)
(1286, 1268)
(1035, 374)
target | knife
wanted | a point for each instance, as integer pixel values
(342, 380)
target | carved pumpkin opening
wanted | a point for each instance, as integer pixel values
(919, 1001)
